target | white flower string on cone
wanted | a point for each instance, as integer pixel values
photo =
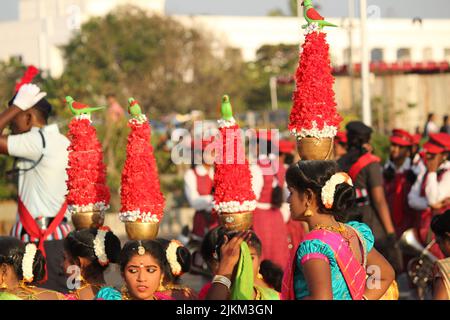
(329, 188)
(28, 261)
(171, 255)
(99, 246)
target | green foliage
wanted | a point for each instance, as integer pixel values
(380, 144)
(271, 60)
(162, 63)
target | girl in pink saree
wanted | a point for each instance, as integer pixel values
(335, 259)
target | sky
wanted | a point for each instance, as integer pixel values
(329, 8)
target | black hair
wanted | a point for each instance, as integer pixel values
(440, 224)
(80, 244)
(43, 108)
(355, 142)
(272, 274)
(253, 241)
(12, 251)
(209, 244)
(289, 159)
(313, 174)
(183, 257)
(430, 115)
(152, 247)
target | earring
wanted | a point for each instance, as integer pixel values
(4, 285)
(124, 292)
(260, 276)
(161, 285)
(308, 213)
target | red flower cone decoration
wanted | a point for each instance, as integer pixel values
(314, 111)
(86, 171)
(142, 200)
(233, 191)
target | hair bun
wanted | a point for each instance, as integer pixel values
(184, 258)
(344, 198)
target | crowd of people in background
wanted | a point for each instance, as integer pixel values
(317, 227)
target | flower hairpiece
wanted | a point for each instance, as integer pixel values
(171, 255)
(99, 246)
(329, 188)
(141, 249)
(28, 261)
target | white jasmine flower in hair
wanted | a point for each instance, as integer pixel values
(171, 255)
(329, 188)
(28, 261)
(99, 246)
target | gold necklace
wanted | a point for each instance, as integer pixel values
(341, 229)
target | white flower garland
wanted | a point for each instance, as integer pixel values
(28, 261)
(171, 255)
(326, 132)
(132, 216)
(99, 246)
(98, 206)
(329, 188)
(140, 119)
(312, 27)
(84, 116)
(226, 123)
(234, 206)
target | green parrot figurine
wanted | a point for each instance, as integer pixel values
(312, 16)
(133, 108)
(227, 110)
(78, 108)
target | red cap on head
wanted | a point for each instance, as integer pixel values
(437, 143)
(402, 138)
(341, 137)
(416, 138)
(28, 77)
(286, 146)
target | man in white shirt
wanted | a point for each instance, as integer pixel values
(41, 160)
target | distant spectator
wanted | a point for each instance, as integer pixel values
(445, 125)
(115, 110)
(430, 125)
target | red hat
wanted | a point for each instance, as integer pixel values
(416, 138)
(204, 143)
(286, 146)
(341, 137)
(402, 138)
(437, 143)
(28, 77)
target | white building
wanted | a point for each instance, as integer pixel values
(43, 25)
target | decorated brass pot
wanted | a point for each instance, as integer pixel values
(86, 220)
(236, 221)
(315, 149)
(142, 230)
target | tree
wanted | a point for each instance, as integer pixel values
(271, 60)
(293, 6)
(275, 13)
(164, 64)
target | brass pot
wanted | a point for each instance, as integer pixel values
(236, 221)
(86, 220)
(315, 149)
(142, 230)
